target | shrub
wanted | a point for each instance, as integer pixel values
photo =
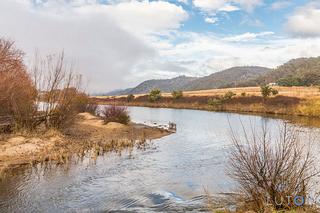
(243, 94)
(266, 91)
(17, 92)
(155, 95)
(228, 95)
(177, 94)
(115, 114)
(268, 170)
(80, 101)
(215, 102)
(83, 103)
(130, 97)
(274, 92)
(66, 108)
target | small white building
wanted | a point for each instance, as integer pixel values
(272, 84)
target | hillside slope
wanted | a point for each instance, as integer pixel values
(297, 72)
(165, 85)
(228, 78)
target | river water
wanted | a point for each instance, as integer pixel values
(171, 175)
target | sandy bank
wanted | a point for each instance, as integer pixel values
(87, 134)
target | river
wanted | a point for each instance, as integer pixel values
(171, 175)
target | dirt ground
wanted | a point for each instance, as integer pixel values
(88, 133)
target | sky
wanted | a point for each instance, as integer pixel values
(120, 43)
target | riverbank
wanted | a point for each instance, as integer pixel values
(290, 101)
(88, 135)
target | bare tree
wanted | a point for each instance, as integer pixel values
(60, 89)
(269, 170)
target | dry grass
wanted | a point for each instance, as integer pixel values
(310, 107)
(255, 91)
(88, 136)
(303, 101)
(302, 92)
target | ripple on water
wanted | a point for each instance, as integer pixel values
(163, 201)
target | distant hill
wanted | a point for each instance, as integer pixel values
(228, 78)
(165, 85)
(118, 92)
(296, 72)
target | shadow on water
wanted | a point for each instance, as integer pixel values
(167, 176)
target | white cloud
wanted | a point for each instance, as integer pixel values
(207, 53)
(183, 1)
(229, 8)
(134, 16)
(227, 5)
(105, 42)
(249, 5)
(147, 17)
(247, 36)
(280, 4)
(211, 20)
(212, 7)
(160, 68)
(209, 5)
(305, 21)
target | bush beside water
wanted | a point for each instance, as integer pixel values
(155, 95)
(177, 94)
(115, 114)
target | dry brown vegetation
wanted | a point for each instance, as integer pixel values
(117, 114)
(290, 101)
(17, 91)
(272, 170)
(275, 171)
(51, 80)
(302, 92)
(87, 136)
(62, 91)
